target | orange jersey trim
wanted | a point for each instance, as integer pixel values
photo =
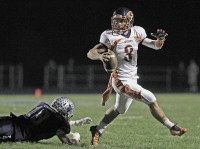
(137, 38)
(115, 43)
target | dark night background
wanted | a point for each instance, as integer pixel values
(34, 31)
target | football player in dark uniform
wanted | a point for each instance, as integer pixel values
(42, 122)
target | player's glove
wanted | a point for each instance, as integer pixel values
(86, 120)
(160, 34)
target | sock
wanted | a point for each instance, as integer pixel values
(168, 123)
(101, 127)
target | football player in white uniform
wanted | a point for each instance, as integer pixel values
(123, 40)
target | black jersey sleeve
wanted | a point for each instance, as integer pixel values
(38, 114)
(66, 128)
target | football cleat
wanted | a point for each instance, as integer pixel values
(177, 131)
(95, 135)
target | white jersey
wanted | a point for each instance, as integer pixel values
(125, 49)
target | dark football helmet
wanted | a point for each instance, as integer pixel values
(122, 20)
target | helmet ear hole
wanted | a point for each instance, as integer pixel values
(63, 106)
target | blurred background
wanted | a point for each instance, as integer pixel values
(43, 45)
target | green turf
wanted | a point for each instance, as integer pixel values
(136, 129)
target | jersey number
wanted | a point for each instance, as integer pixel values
(129, 51)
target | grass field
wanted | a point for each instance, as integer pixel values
(136, 129)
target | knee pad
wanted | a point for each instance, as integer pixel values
(148, 96)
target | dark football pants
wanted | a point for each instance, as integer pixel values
(6, 129)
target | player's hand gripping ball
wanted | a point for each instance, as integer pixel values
(109, 61)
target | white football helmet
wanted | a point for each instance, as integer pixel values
(63, 106)
(122, 20)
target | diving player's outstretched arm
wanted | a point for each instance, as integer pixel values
(83, 121)
(75, 136)
(63, 137)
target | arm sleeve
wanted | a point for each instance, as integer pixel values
(150, 43)
(66, 128)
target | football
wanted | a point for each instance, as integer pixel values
(75, 138)
(110, 65)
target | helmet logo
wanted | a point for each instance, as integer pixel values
(130, 15)
(69, 108)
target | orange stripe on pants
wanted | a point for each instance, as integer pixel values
(127, 90)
